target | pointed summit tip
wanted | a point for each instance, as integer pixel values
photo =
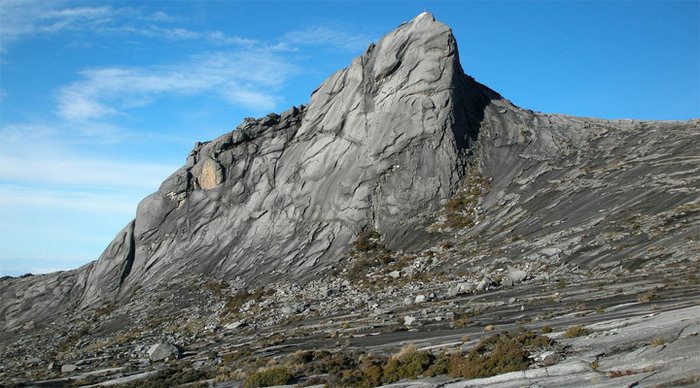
(425, 15)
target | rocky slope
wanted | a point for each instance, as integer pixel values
(400, 194)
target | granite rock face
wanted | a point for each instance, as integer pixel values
(382, 144)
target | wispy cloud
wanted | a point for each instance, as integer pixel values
(334, 36)
(25, 18)
(23, 196)
(248, 79)
(47, 167)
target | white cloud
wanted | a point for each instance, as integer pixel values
(25, 18)
(45, 167)
(248, 79)
(24, 132)
(334, 36)
(21, 19)
(21, 196)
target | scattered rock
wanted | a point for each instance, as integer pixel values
(235, 325)
(289, 310)
(484, 284)
(547, 358)
(409, 320)
(163, 350)
(516, 275)
(395, 274)
(459, 289)
(68, 368)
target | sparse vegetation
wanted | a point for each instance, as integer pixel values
(619, 373)
(500, 353)
(103, 310)
(576, 331)
(172, 377)
(546, 329)
(268, 377)
(369, 253)
(646, 297)
(658, 341)
(409, 363)
(234, 302)
(460, 321)
(367, 240)
(496, 354)
(461, 209)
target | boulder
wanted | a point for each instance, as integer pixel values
(235, 325)
(409, 320)
(68, 368)
(516, 275)
(163, 350)
(484, 284)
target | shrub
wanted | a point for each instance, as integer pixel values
(576, 331)
(546, 329)
(658, 341)
(367, 240)
(500, 353)
(440, 366)
(368, 373)
(409, 363)
(268, 377)
(460, 211)
(489, 360)
(236, 301)
(460, 321)
(646, 297)
(172, 377)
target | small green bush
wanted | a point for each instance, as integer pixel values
(546, 329)
(500, 353)
(268, 377)
(460, 321)
(576, 331)
(407, 364)
(172, 377)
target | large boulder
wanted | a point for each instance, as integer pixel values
(162, 351)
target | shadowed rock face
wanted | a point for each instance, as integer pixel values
(383, 143)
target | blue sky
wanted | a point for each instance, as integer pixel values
(100, 101)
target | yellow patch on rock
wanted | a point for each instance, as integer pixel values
(210, 176)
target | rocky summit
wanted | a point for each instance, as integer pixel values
(408, 226)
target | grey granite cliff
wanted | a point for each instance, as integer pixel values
(382, 144)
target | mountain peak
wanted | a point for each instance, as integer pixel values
(425, 15)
